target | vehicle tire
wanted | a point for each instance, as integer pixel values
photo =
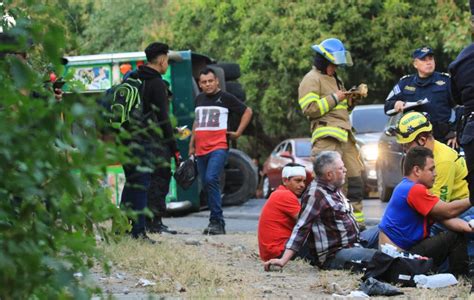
(241, 178)
(385, 192)
(266, 190)
(236, 89)
(231, 70)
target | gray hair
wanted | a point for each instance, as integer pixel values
(323, 160)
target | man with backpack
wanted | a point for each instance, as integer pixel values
(152, 142)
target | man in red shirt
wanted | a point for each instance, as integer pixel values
(280, 212)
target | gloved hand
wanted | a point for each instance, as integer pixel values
(178, 158)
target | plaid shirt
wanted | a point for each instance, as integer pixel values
(327, 220)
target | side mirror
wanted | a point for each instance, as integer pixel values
(390, 131)
(288, 155)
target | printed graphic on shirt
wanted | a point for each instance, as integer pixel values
(211, 118)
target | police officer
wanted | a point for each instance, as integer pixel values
(462, 72)
(324, 101)
(434, 86)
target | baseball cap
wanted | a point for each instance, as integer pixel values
(422, 52)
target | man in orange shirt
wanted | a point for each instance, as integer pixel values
(280, 213)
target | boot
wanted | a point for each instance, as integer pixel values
(215, 227)
(143, 237)
(156, 226)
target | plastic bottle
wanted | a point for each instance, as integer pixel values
(435, 281)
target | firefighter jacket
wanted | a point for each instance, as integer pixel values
(328, 117)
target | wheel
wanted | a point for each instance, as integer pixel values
(385, 192)
(231, 70)
(236, 89)
(241, 178)
(266, 190)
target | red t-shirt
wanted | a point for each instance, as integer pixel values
(276, 222)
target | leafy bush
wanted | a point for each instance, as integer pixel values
(52, 202)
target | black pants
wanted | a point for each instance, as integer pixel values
(447, 244)
(467, 142)
(160, 182)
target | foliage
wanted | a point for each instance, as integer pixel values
(52, 201)
(120, 25)
(271, 40)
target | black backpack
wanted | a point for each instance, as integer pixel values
(125, 103)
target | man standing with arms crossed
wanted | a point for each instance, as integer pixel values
(323, 100)
(209, 140)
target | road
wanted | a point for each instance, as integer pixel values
(244, 218)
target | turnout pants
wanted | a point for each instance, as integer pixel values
(351, 158)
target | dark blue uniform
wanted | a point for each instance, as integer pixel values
(437, 89)
(462, 72)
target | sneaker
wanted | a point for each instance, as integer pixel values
(214, 228)
(143, 237)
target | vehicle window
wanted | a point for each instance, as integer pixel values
(369, 120)
(303, 148)
(279, 148)
(289, 148)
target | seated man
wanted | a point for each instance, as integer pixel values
(413, 209)
(326, 220)
(414, 129)
(280, 212)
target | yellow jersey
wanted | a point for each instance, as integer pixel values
(450, 183)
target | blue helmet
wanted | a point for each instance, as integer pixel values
(334, 51)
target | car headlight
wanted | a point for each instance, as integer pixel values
(369, 152)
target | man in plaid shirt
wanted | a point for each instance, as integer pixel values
(326, 220)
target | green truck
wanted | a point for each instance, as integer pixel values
(97, 73)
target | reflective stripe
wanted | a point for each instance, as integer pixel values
(328, 55)
(342, 105)
(312, 97)
(359, 216)
(336, 132)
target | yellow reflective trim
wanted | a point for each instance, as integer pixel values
(329, 55)
(307, 99)
(335, 132)
(342, 105)
(325, 104)
(359, 216)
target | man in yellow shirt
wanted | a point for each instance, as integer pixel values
(414, 129)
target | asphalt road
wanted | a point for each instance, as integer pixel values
(244, 218)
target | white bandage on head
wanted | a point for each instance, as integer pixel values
(291, 171)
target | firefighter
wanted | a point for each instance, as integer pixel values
(325, 102)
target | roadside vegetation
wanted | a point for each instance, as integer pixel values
(53, 206)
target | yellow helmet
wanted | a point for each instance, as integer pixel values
(410, 125)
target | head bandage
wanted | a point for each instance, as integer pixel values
(293, 171)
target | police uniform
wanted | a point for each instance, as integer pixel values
(462, 72)
(435, 88)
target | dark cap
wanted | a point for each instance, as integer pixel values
(156, 49)
(422, 52)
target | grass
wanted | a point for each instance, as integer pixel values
(175, 266)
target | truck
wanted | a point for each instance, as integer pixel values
(99, 72)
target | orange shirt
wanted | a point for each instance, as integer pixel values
(277, 219)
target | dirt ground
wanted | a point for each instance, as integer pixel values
(192, 265)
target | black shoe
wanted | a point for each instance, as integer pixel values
(143, 237)
(214, 228)
(157, 226)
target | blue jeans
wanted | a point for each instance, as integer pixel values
(349, 254)
(370, 237)
(466, 216)
(210, 167)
